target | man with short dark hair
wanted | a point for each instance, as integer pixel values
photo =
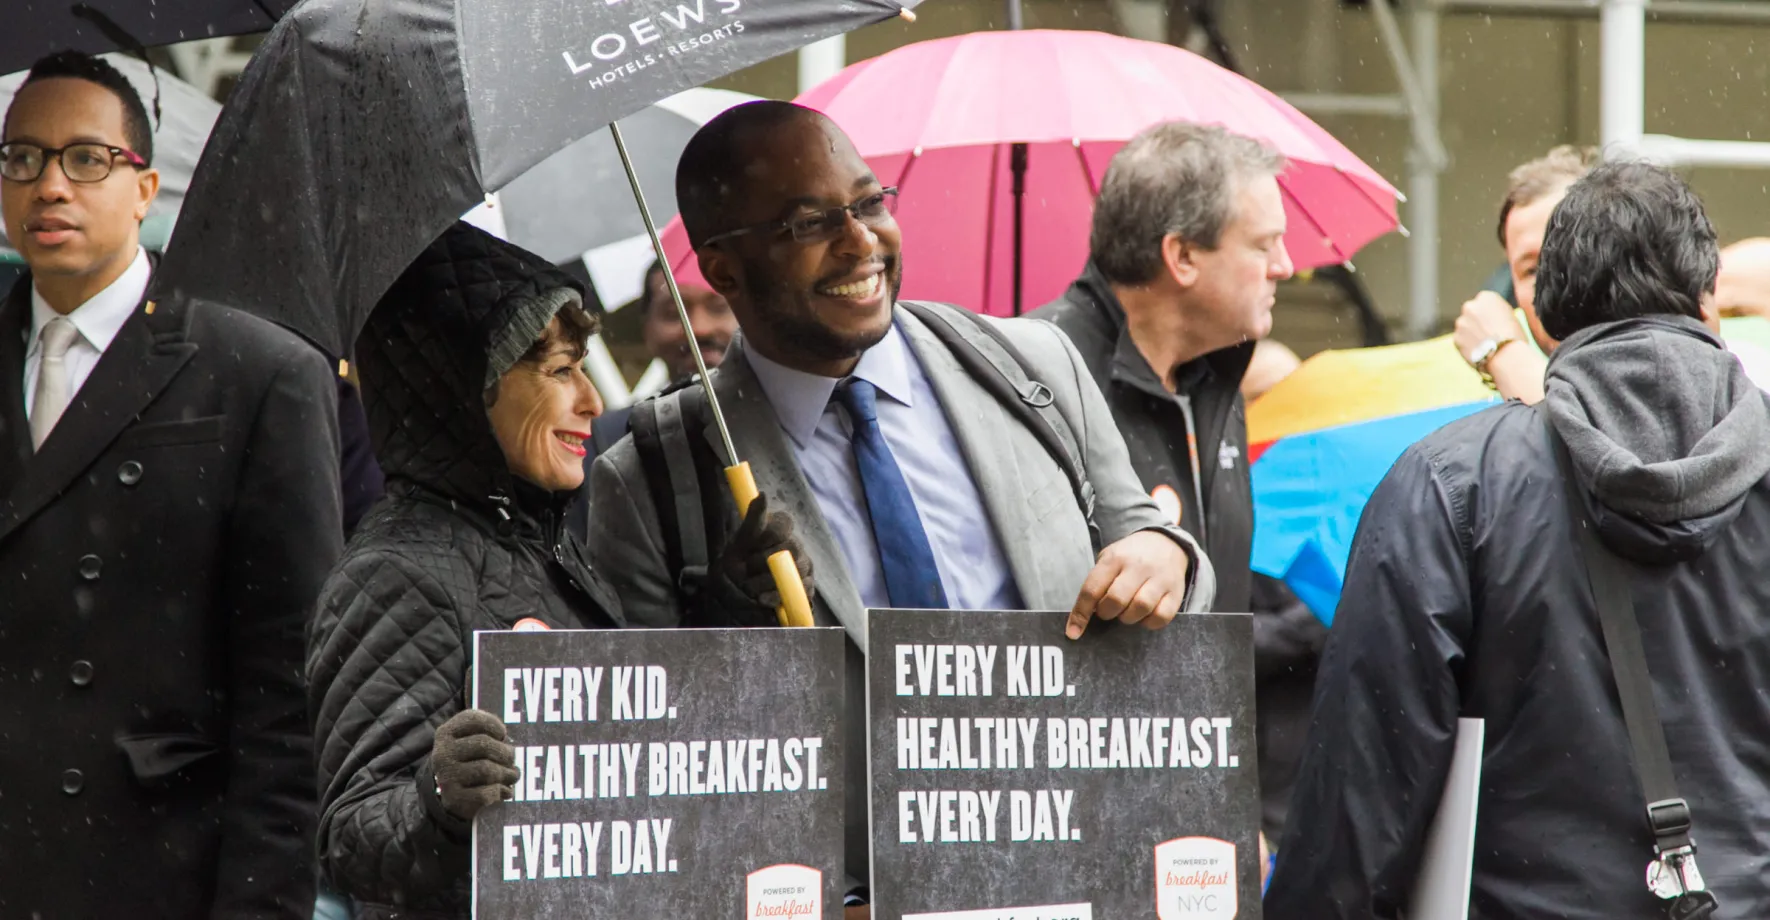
(1471, 593)
(910, 483)
(169, 506)
(1185, 258)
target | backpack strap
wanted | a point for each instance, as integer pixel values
(1672, 875)
(661, 434)
(999, 367)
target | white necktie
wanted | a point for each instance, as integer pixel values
(53, 387)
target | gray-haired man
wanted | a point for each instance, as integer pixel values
(1185, 258)
(1186, 254)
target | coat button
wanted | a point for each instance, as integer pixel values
(72, 781)
(90, 566)
(80, 673)
(129, 473)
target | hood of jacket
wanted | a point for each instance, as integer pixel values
(1666, 432)
(459, 316)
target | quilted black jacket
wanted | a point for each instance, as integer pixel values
(458, 545)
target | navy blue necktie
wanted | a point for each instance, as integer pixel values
(911, 577)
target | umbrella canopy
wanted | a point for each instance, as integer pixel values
(939, 119)
(363, 128)
(187, 115)
(1323, 438)
(37, 27)
(575, 200)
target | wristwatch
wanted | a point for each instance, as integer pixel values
(1483, 355)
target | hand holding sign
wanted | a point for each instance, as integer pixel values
(1140, 579)
(675, 789)
(472, 763)
(1015, 776)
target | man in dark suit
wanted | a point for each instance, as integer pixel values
(169, 506)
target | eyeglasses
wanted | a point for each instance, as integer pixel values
(823, 226)
(20, 162)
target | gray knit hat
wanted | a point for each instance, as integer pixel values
(529, 316)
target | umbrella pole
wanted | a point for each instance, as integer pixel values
(795, 609)
(1017, 166)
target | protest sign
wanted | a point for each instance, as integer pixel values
(1016, 775)
(665, 774)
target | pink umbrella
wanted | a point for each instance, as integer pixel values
(942, 120)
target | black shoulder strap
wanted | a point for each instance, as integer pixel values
(1007, 375)
(663, 435)
(1673, 875)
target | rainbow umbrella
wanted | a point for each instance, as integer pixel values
(1324, 437)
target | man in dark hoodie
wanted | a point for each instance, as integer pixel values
(1468, 595)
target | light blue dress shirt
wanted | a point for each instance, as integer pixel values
(973, 569)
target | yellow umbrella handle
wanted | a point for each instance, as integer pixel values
(795, 609)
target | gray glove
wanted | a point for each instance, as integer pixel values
(473, 764)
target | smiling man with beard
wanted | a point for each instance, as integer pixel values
(874, 424)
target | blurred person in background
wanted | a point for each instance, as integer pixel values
(1487, 329)
(1488, 334)
(714, 328)
(708, 313)
(1271, 362)
(1742, 289)
(1743, 286)
(1469, 594)
(1185, 256)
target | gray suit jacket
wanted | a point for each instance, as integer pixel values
(1029, 498)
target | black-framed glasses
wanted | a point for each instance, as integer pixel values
(21, 162)
(823, 226)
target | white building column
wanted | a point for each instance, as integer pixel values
(1623, 73)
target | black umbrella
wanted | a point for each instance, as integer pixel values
(363, 128)
(37, 27)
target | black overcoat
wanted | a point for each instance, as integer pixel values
(158, 559)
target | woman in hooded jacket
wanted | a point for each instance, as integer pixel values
(478, 406)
